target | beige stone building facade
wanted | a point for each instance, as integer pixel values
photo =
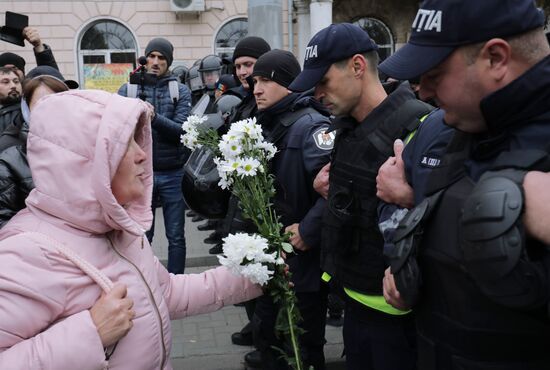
(88, 34)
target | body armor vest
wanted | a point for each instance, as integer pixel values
(473, 318)
(352, 243)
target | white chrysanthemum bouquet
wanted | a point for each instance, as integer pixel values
(242, 156)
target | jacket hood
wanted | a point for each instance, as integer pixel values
(76, 142)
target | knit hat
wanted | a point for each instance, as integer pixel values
(251, 46)
(280, 66)
(163, 46)
(11, 58)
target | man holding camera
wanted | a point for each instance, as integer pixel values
(171, 101)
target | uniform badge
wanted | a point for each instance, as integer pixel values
(429, 161)
(324, 140)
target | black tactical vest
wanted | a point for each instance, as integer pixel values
(460, 326)
(351, 242)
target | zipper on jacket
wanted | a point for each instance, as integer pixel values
(151, 297)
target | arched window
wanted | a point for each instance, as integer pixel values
(380, 33)
(107, 53)
(229, 35)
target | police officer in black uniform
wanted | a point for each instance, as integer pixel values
(341, 63)
(480, 279)
(297, 125)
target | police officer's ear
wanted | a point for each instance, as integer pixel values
(359, 65)
(496, 56)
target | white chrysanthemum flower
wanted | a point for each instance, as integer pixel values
(257, 273)
(230, 264)
(190, 140)
(269, 149)
(226, 166)
(244, 254)
(248, 167)
(225, 183)
(230, 148)
(192, 128)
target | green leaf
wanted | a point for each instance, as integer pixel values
(287, 247)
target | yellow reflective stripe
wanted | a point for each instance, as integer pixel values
(411, 135)
(376, 302)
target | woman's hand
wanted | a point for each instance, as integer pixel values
(112, 314)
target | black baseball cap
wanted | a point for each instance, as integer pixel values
(332, 44)
(441, 26)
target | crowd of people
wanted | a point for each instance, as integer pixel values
(417, 200)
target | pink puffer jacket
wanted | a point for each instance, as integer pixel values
(76, 141)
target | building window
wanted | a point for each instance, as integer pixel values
(380, 33)
(107, 53)
(229, 35)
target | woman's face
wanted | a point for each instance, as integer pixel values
(127, 184)
(41, 91)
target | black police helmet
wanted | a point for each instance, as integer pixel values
(194, 80)
(226, 103)
(200, 185)
(210, 69)
(210, 63)
(181, 73)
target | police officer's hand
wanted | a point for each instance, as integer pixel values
(320, 184)
(391, 183)
(391, 294)
(31, 35)
(295, 238)
(536, 217)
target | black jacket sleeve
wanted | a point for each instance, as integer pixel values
(46, 58)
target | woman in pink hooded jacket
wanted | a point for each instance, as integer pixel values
(80, 287)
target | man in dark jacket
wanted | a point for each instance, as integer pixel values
(169, 155)
(10, 98)
(341, 63)
(483, 298)
(297, 125)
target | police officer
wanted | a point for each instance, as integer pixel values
(341, 63)
(297, 125)
(209, 70)
(483, 301)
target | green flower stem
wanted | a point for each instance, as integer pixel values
(295, 346)
(254, 194)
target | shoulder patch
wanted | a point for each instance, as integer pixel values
(430, 161)
(324, 140)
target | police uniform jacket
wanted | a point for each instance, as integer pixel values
(303, 149)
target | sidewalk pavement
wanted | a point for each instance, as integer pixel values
(204, 342)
